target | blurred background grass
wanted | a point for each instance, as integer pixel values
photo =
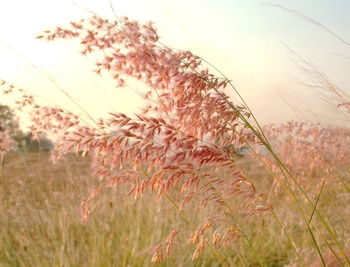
(40, 224)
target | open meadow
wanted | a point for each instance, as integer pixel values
(40, 224)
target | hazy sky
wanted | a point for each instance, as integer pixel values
(246, 39)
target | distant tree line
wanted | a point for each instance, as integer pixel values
(23, 141)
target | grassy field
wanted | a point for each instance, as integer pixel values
(40, 224)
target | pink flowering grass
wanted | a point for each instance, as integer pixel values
(176, 143)
(179, 144)
(314, 153)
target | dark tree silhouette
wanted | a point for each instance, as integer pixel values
(9, 122)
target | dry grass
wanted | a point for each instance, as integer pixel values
(40, 219)
(40, 224)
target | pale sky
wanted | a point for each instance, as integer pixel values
(244, 38)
